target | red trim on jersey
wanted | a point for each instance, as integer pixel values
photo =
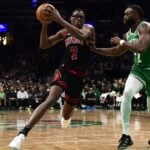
(76, 72)
(65, 34)
(57, 79)
(62, 83)
(57, 75)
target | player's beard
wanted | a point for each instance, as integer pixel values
(130, 22)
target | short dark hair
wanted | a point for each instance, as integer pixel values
(138, 9)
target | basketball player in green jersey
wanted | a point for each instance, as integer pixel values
(136, 40)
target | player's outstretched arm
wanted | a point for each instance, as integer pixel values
(141, 44)
(112, 51)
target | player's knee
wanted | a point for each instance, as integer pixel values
(128, 94)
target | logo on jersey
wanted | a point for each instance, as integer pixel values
(73, 40)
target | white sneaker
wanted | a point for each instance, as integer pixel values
(65, 123)
(15, 144)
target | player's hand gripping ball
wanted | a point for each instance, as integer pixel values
(42, 13)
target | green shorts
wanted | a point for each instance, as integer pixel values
(143, 74)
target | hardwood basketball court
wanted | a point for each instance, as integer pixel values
(90, 130)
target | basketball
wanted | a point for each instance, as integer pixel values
(42, 17)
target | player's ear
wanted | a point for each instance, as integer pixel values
(71, 18)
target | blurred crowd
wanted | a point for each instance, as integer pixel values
(26, 70)
(25, 93)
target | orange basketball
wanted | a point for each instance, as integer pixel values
(41, 16)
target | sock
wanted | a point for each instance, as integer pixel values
(25, 131)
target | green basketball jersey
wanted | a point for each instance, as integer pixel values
(143, 59)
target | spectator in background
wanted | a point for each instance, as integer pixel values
(11, 95)
(2, 97)
(22, 96)
(90, 99)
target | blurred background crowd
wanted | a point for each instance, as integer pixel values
(26, 70)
